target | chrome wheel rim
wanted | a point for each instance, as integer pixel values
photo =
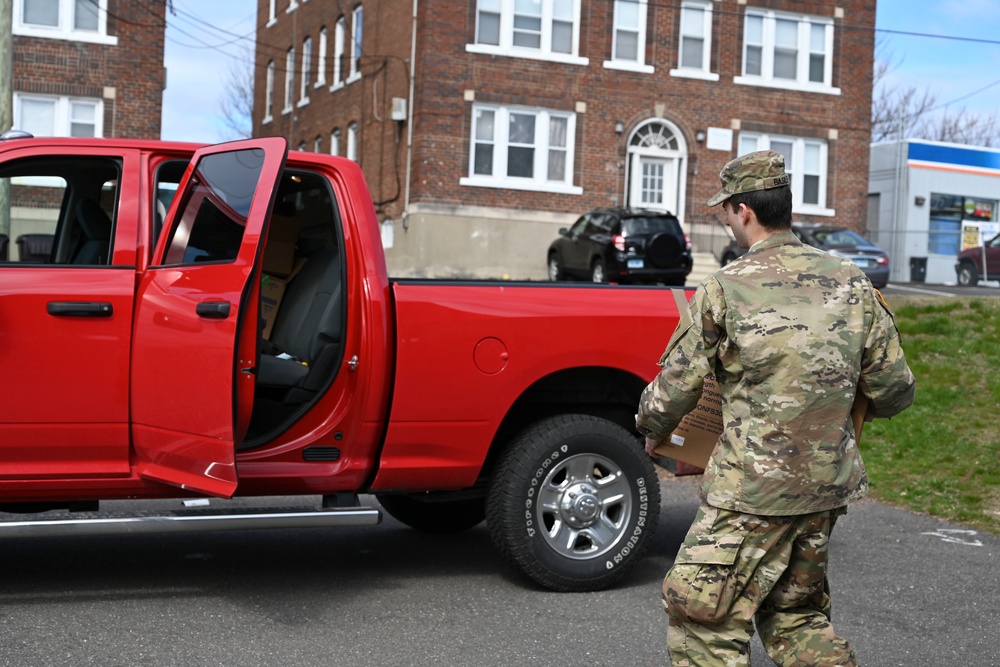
(584, 506)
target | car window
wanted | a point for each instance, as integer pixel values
(62, 210)
(209, 224)
(839, 237)
(579, 226)
(650, 225)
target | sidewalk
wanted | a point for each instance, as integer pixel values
(705, 264)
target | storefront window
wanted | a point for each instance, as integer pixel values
(947, 214)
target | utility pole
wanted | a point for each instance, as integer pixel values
(6, 104)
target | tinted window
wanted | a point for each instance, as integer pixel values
(210, 222)
(839, 237)
(650, 225)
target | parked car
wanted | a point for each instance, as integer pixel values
(969, 267)
(836, 240)
(622, 246)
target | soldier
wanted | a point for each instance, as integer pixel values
(792, 334)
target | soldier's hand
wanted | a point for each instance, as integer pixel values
(652, 444)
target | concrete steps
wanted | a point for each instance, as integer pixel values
(704, 265)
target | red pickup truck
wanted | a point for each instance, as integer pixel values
(180, 321)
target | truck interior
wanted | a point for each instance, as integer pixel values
(303, 305)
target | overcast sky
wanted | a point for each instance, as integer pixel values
(203, 41)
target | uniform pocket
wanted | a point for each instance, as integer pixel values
(704, 582)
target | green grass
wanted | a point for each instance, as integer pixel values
(942, 455)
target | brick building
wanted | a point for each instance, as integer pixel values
(485, 125)
(88, 67)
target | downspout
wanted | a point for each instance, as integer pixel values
(409, 119)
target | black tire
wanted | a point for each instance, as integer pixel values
(598, 273)
(573, 503)
(968, 276)
(556, 272)
(434, 512)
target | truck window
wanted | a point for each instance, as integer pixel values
(58, 211)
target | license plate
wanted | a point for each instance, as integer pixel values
(860, 261)
(635, 264)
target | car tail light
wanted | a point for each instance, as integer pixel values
(619, 242)
(687, 242)
(882, 260)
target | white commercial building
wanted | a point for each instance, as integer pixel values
(927, 201)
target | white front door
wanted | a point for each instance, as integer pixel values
(653, 183)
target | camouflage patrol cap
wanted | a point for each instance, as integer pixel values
(762, 170)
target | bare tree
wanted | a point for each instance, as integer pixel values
(900, 112)
(237, 101)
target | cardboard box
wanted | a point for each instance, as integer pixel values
(279, 248)
(272, 290)
(694, 438)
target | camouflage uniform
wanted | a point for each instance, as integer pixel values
(792, 334)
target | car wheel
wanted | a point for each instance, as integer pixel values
(434, 513)
(967, 275)
(573, 503)
(597, 272)
(555, 268)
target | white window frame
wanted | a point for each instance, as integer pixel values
(307, 47)
(272, 13)
(269, 93)
(289, 81)
(339, 37)
(292, 6)
(705, 71)
(760, 141)
(639, 63)
(335, 142)
(801, 81)
(500, 141)
(321, 66)
(317, 144)
(544, 52)
(357, 39)
(62, 112)
(64, 28)
(352, 141)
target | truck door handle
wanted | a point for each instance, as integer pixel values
(214, 310)
(79, 309)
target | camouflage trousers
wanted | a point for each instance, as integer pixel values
(735, 568)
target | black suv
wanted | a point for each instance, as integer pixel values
(622, 246)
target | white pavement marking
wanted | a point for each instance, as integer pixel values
(952, 535)
(917, 289)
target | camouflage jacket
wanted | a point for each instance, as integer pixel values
(792, 334)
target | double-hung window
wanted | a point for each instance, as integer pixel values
(694, 56)
(791, 51)
(269, 93)
(50, 116)
(357, 18)
(628, 47)
(76, 20)
(339, 36)
(321, 56)
(539, 29)
(522, 148)
(307, 49)
(289, 80)
(805, 164)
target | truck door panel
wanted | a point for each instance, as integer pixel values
(194, 355)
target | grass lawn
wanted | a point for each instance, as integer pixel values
(942, 455)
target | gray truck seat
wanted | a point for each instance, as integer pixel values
(95, 226)
(308, 327)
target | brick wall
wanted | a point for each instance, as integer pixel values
(445, 71)
(133, 69)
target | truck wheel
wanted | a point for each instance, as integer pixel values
(573, 503)
(434, 513)
(967, 274)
